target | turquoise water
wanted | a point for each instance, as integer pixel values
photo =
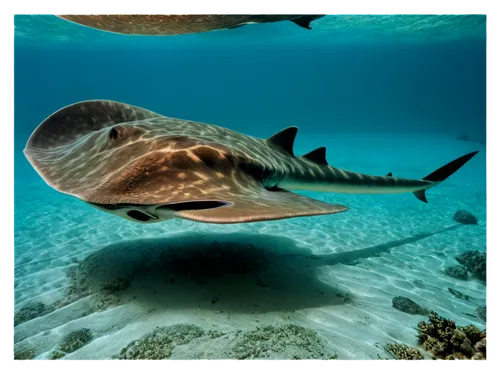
(381, 93)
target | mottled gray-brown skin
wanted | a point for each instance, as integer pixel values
(147, 167)
(140, 24)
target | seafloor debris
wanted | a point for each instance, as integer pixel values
(402, 351)
(408, 306)
(464, 217)
(445, 340)
(456, 271)
(473, 261)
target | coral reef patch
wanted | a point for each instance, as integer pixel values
(403, 353)
(71, 342)
(443, 339)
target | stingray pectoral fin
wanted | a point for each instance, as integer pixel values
(259, 206)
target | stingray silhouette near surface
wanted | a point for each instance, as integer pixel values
(147, 168)
(142, 24)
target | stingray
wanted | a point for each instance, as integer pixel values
(140, 24)
(146, 167)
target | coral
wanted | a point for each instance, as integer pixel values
(464, 217)
(31, 311)
(75, 340)
(445, 340)
(460, 340)
(160, 343)
(402, 351)
(456, 271)
(473, 333)
(474, 261)
(284, 341)
(408, 306)
(481, 345)
(481, 349)
(435, 347)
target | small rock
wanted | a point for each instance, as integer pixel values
(464, 217)
(456, 271)
(408, 306)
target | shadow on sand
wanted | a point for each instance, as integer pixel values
(228, 272)
(224, 272)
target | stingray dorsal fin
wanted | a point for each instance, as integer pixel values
(317, 156)
(284, 139)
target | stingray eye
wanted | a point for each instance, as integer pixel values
(113, 133)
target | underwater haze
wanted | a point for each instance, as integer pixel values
(404, 94)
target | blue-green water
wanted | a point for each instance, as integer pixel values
(382, 93)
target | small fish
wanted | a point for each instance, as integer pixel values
(140, 24)
(147, 168)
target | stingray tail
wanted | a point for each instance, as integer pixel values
(441, 174)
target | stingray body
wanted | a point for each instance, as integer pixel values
(140, 24)
(146, 167)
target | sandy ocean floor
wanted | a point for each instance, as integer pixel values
(336, 275)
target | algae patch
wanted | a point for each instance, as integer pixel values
(160, 343)
(287, 341)
(75, 340)
(31, 311)
(24, 354)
